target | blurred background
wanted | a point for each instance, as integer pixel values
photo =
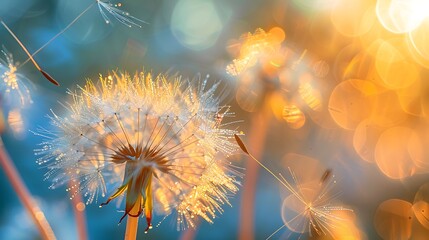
(342, 82)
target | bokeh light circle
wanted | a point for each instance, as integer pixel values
(399, 16)
(397, 151)
(353, 18)
(351, 102)
(421, 205)
(365, 139)
(196, 24)
(393, 219)
(393, 68)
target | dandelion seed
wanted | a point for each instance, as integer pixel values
(121, 16)
(309, 207)
(43, 72)
(8, 68)
(13, 84)
(158, 142)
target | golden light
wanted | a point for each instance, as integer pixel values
(421, 205)
(392, 66)
(249, 92)
(351, 102)
(387, 111)
(397, 151)
(419, 43)
(321, 69)
(410, 99)
(353, 18)
(10, 78)
(399, 16)
(14, 90)
(347, 228)
(16, 122)
(310, 95)
(259, 47)
(80, 206)
(393, 219)
(293, 116)
(365, 139)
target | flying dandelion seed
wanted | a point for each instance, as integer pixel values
(309, 207)
(13, 84)
(43, 72)
(123, 17)
(160, 142)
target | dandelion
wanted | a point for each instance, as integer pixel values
(272, 81)
(158, 141)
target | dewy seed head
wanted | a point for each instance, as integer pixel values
(158, 141)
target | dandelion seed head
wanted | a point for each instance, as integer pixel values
(260, 46)
(268, 70)
(159, 141)
(13, 88)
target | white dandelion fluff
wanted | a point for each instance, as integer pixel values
(106, 8)
(160, 142)
(13, 88)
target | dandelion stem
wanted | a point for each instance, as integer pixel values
(190, 233)
(58, 34)
(21, 44)
(79, 213)
(45, 74)
(24, 195)
(132, 222)
(256, 139)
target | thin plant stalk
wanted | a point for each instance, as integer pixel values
(58, 34)
(132, 222)
(190, 233)
(24, 196)
(259, 126)
(79, 214)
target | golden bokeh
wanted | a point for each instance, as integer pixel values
(397, 151)
(351, 102)
(393, 219)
